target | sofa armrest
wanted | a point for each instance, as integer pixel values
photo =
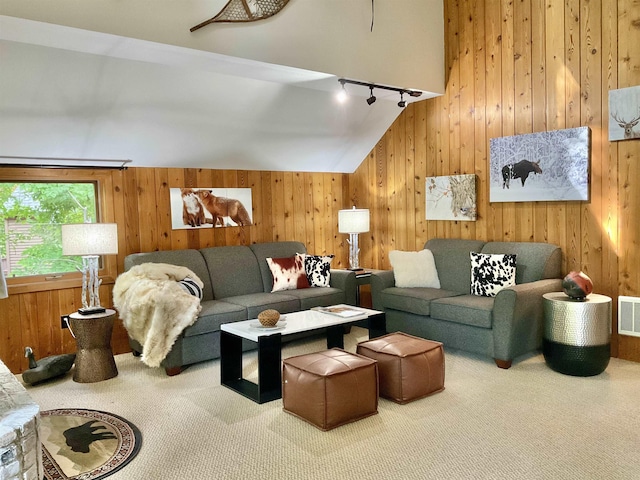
(344, 280)
(380, 281)
(518, 317)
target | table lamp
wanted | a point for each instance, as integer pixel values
(90, 240)
(353, 222)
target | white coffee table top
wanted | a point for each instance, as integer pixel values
(295, 322)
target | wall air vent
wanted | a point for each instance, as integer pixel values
(629, 316)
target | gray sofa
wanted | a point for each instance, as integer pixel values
(237, 286)
(502, 327)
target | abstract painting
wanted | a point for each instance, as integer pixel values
(624, 114)
(540, 167)
(451, 197)
(210, 207)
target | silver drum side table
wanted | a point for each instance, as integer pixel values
(577, 334)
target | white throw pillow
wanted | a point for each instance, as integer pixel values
(414, 269)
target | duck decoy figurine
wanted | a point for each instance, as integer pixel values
(46, 368)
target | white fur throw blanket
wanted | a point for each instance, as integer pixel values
(154, 308)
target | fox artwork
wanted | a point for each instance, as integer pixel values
(192, 209)
(220, 207)
(202, 208)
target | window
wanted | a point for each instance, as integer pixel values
(34, 203)
(31, 215)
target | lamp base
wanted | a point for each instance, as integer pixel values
(356, 269)
(91, 310)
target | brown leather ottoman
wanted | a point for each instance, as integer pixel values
(330, 388)
(409, 367)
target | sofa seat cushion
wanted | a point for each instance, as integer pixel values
(257, 302)
(465, 309)
(213, 314)
(318, 296)
(414, 300)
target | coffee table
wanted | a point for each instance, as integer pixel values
(269, 386)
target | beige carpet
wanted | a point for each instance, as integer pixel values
(527, 422)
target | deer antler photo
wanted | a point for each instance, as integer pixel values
(627, 125)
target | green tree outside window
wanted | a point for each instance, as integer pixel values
(31, 215)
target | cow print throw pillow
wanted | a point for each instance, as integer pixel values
(317, 269)
(288, 273)
(491, 273)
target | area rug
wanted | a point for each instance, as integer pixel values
(84, 444)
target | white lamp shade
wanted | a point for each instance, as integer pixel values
(355, 220)
(90, 239)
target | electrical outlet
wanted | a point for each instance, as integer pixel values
(64, 321)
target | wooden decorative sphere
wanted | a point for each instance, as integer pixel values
(269, 318)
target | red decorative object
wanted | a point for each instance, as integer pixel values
(577, 285)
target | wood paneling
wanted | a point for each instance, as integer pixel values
(628, 156)
(511, 68)
(286, 206)
(515, 68)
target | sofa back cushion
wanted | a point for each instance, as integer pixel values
(274, 250)
(233, 270)
(453, 262)
(534, 261)
(192, 259)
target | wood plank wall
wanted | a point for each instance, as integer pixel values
(286, 206)
(516, 67)
(512, 67)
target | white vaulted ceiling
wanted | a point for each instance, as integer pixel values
(73, 93)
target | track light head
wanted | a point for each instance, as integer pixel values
(402, 103)
(371, 98)
(342, 94)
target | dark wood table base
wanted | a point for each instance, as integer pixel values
(269, 386)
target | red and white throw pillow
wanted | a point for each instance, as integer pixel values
(288, 273)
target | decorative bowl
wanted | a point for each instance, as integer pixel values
(269, 317)
(577, 285)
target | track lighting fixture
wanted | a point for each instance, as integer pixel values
(342, 94)
(371, 98)
(402, 103)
